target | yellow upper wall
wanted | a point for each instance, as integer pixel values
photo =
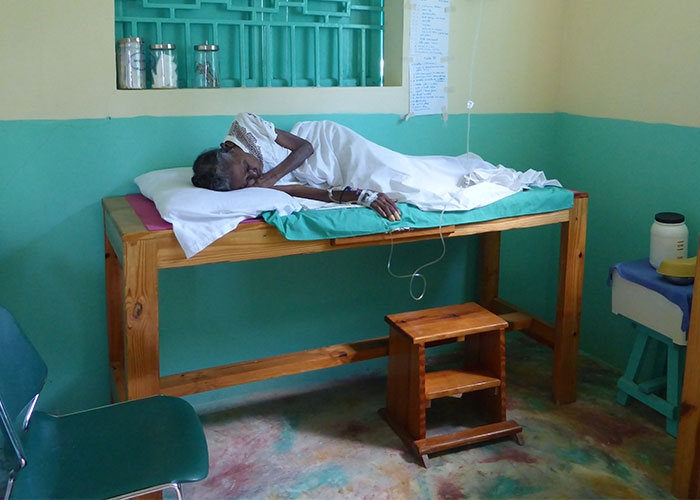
(629, 59)
(632, 59)
(60, 56)
(517, 58)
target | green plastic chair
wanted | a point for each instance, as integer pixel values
(116, 451)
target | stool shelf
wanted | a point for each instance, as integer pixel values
(410, 388)
(445, 383)
(435, 444)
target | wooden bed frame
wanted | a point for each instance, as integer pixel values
(133, 256)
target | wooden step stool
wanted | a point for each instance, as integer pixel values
(410, 388)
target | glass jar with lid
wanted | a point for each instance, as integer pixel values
(206, 65)
(163, 66)
(131, 63)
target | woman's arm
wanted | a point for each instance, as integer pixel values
(300, 149)
(383, 205)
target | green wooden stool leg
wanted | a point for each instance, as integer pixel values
(633, 366)
(651, 392)
(674, 385)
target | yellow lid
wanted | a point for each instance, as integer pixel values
(678, 268)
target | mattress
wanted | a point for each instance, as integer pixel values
(345, 223)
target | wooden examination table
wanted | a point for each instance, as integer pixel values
(133, 256)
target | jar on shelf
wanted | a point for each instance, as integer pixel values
(206, 65)
(669, 238)
(163, 66)
(131, 64)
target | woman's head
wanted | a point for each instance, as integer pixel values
(210, 171)
(225, 169)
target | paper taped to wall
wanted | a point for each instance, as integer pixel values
(429, 45)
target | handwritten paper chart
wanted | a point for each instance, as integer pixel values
(429, 44)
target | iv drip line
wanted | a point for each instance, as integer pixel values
(470, 103)
(416, 274)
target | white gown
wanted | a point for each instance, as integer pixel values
(344, 158)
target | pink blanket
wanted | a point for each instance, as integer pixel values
(149, 215)
(147, 212)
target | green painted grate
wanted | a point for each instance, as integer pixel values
(266, 43)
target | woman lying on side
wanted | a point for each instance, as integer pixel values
(325, 161)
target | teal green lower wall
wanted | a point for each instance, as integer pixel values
(631, 171)
(51, 248)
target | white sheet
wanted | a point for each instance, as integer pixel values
(344, 158)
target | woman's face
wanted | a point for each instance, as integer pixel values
(244, 169)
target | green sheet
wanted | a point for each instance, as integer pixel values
(348, 222)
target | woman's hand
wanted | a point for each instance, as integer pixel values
(265, 180)
(386, 207)
(379, 202)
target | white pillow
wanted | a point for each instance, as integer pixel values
(200, 216)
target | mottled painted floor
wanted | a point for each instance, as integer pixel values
(331, 443)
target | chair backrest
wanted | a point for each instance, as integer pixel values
(22, 376)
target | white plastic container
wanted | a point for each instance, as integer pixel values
(669, 238)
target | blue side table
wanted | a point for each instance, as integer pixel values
(642, 295)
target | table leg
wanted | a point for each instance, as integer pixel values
(141, 345)
(489, 267)
(115, 319)
(570, 291)
(686, 469)
(563, 337)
